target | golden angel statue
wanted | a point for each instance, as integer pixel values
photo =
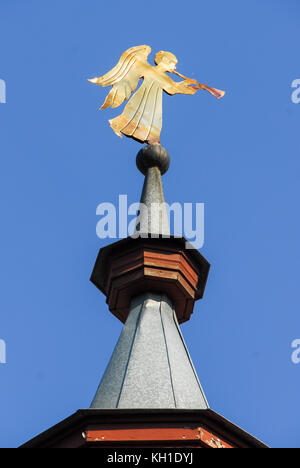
(141, 118)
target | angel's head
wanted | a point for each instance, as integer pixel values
(166, 60)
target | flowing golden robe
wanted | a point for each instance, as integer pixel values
(142, 115)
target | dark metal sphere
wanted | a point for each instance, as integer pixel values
(153, 156)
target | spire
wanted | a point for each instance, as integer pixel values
(151, 282)
(150, 366)
(150, 392)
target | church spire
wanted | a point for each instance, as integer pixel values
(150, 393)
(151, 283)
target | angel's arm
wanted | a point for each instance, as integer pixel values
(190, 86)
(179, 87)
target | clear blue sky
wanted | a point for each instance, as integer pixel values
(60, 159)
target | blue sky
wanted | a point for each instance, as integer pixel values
(60, 159)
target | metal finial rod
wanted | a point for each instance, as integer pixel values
(153, 161)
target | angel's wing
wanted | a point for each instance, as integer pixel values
(124, 77)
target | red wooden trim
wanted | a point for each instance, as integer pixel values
(156, 434)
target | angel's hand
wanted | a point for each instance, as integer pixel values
(186, 87)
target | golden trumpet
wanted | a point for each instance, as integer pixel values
(215, 92)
